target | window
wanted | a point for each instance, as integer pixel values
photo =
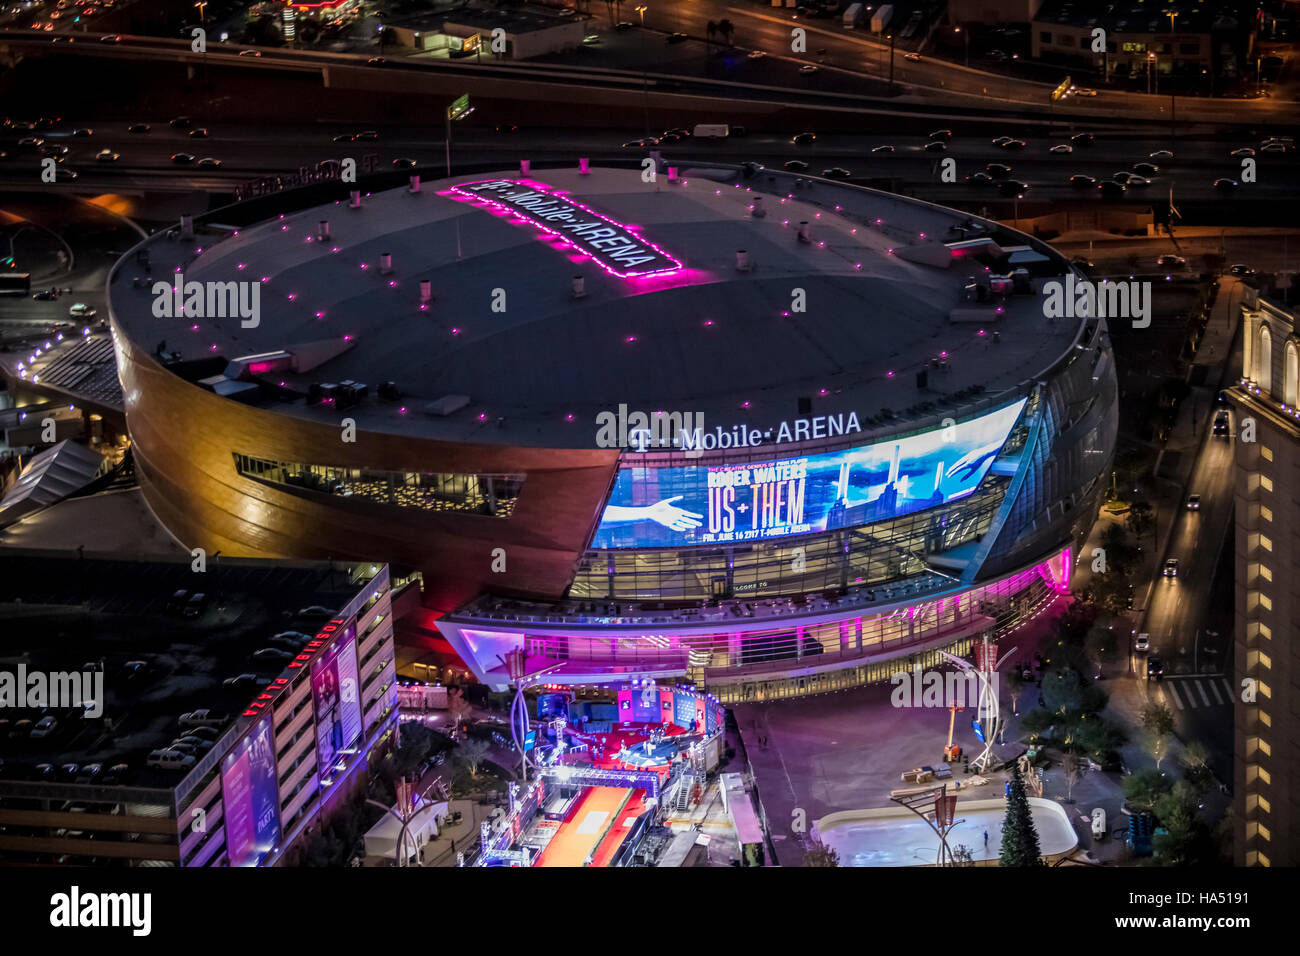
(1266, 542)
(1045, 37)
(1134, 47)
(1066, 40)
(1266, 513)
(1266, 452)
(494, 495)
(1265, 719)
(1254, 658)
(1266, 482)
(1265, 573)
(1265, 601)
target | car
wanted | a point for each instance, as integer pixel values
(198, 133)
(935, 146)
(1222, 423)
(376, 61)
(250, 53)
(111, 38)
(1110, 189)
(979, 179)
(134, 669)
(183, 746)
(138, 128)
(81, 311)
(1123, 176)
(195, 605)
(623, 25)
(1225, 185)
(31, 142)
(180, 122)
(882, 149)
(1082, 139)
(1083, 91)
(345, 138)
(193, 745)
(804, 139)
(1080, 262)
(1155, 668)
(795, 166)
(116, 775)
(1145, 169)
(21, 728)
(1161, 154)
(82, 131)
(272, 654)
(368, 136)
(681, 131)
(182, 159)
(203, 733)
(89, 773)
(671, 138)
(204, 717)
(756, 54)
(507, 128)
(44, 727)
(1240, 269)
(1170, 569)
(912, 57)
(998, 170)
(1012, 187)
(1013, 144)
(405, 162)
(107, 156)
(292, 638)
(170, 760)
(1193, 502)
(1274, 149)
(808, 69)
(207, 162)
(1080, 181)
(46, 295)
(1244, 151)
(943, 134)
(242, 680)
(1142, 644)
(836, 172)
(43, 770)
(1061, 149)
(1171, 261)
(646, 141)
(1138, 181)
(677, 38)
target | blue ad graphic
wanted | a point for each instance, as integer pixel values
(720, 504)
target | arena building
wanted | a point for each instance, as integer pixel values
(760, 431)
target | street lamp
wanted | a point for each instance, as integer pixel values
(966, 37)
(645, 76)
(1151, 69)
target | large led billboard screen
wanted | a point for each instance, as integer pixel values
(336, 696)
(250, 796)
(750, 501)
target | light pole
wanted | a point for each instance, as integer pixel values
(645, 76)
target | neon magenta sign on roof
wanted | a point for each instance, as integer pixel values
(613, 246)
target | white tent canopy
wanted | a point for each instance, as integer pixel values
(381, 839)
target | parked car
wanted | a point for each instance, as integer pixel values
(44, 727)
(204, 717)
(272, 654)
(170, 760)
(195, 605)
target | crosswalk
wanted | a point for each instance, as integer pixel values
(1191, 693)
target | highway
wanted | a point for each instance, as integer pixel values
(249, 152)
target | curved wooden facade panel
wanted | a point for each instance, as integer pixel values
(185, 439)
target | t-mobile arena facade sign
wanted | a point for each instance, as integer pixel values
(616, 248)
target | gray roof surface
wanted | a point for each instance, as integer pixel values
(706, 340)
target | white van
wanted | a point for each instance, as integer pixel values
(712, 131)
(170, 760)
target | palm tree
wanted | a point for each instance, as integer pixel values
(725, 27)
(711, 31)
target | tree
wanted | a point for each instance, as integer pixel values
(1158, 721)
(711, 31)
(1019, 836)
(471, 753)
(961, 855)
(819, 854)
(725, 27)
(458, 708)
(1142, 789)
(1072, 767)
(1036, 721)
(1016, 684)
(1195, 760)
(1140, 519)
(1186, 841)
(1098, 737)
(1100, 646)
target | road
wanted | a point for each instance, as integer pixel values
(249, 152)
